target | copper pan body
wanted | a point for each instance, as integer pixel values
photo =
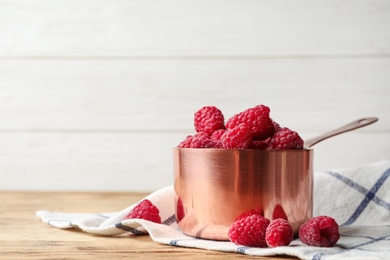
(214, 186)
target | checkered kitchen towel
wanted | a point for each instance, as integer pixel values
(358, 198)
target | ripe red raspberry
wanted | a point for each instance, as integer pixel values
(145, 210)
(216, 135)
(237, 138)
(249, 231)
(257, 119)
(320, 231)
(261, 145)
(276, 125)
(208, 119)
(200, 140)
(285, 138)
(279, 233)
(186, 143)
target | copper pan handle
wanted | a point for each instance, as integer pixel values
(346, 128)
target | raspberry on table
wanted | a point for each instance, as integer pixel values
(322, 231)
(249, 231)
(257, 119)
(208, 119)
(237, 138)
(279, 233)
(285, 138)
(145, 210)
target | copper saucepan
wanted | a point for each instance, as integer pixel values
(214, 186)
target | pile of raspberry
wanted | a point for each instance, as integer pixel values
(254, 230)
(252, 128)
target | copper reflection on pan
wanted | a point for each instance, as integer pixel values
(214, 186)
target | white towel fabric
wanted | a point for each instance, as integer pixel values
(358, 198)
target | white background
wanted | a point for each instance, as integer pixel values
(94, 94)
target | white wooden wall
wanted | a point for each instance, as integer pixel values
(95, 93)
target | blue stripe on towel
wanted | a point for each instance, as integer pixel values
(241, 249)
(360, 188)
(129, 229)
(318, 256)
(169, 220)
(369, 196)
(175, 242)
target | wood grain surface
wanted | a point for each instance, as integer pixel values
(24, 236)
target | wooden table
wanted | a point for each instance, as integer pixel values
(24, 236)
